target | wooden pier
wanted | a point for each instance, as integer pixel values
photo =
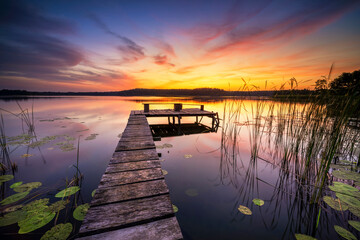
(132, 200)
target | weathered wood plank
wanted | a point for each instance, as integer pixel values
(131, 156)
(119, 215)
(129, 166)
(129, 191)
(134, 145)
(120, 178)
(164, 229)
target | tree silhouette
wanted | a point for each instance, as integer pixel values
(346, 83)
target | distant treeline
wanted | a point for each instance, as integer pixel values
(158, 92)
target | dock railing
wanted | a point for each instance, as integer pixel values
(177, 106)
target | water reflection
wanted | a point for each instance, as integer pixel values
(250, 156)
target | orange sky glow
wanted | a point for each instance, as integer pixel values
(226, 44)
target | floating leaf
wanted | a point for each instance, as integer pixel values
(334, 203)
(175, 208)
(258, 202)
(25, 155)
(164, 172)
(12, 208)
(344, 233)
(244, 210)
(187, 156)
(351, 201)
(83, 130)
(35, 221)
(67, 192)
(15, 184)
(37, 206)
(58, 232)
(192, 192)
(165, 145)
(91, 137)
(80, 212)
(355, 211)
(13, 198)
(12, 218)
(355, 224)
(27, 187)
(5, 178)
(343, 188)
(57, 206)
(93, 193)
(348, 175)
(300, 236)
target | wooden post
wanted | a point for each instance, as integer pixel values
(202, 107)
(197, 119)
(146, 107)
(213, 124)
(177, 107)
(169, 120)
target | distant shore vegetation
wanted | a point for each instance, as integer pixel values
(345, 84)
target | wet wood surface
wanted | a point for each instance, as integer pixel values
(132, 200)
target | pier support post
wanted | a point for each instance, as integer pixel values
(146, 107)
(202, 107)
(177, 107)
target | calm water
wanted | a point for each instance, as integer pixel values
(207, 186)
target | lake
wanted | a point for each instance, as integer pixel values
(251, 156)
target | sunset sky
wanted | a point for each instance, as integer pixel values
(117, 45)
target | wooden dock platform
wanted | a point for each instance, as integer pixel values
(132, 200)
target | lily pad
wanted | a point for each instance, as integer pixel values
(58, 232)
(67, 192)
(14, 198)
(164, 172)
(26, 155)
(344, 233)
(355, 224)
(35, 221)
(5, 178)
(15, 184)
(348, 175)
(27, 187)
(80, 212)
(91, 137)
(12, 208)
(300, 236)
(187, 156)
(37, 206)
(57, 206)
(334, 203)
(355, 211)
(258, 201)
(244, 210)
(351, 201)
(192, 192)
(343, 188)
(175, 208)
(12, 218)
(93, 193)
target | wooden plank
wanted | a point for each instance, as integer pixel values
(131, 156)
(119, 215)
(164, 229)
(120, 178)
(134, 145)
(130, 166)
(129, 192)
(135, 138)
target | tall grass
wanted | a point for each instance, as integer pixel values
(301, 139)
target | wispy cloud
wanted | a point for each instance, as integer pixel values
(297, 23)
(162, 60)
(130, 51)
